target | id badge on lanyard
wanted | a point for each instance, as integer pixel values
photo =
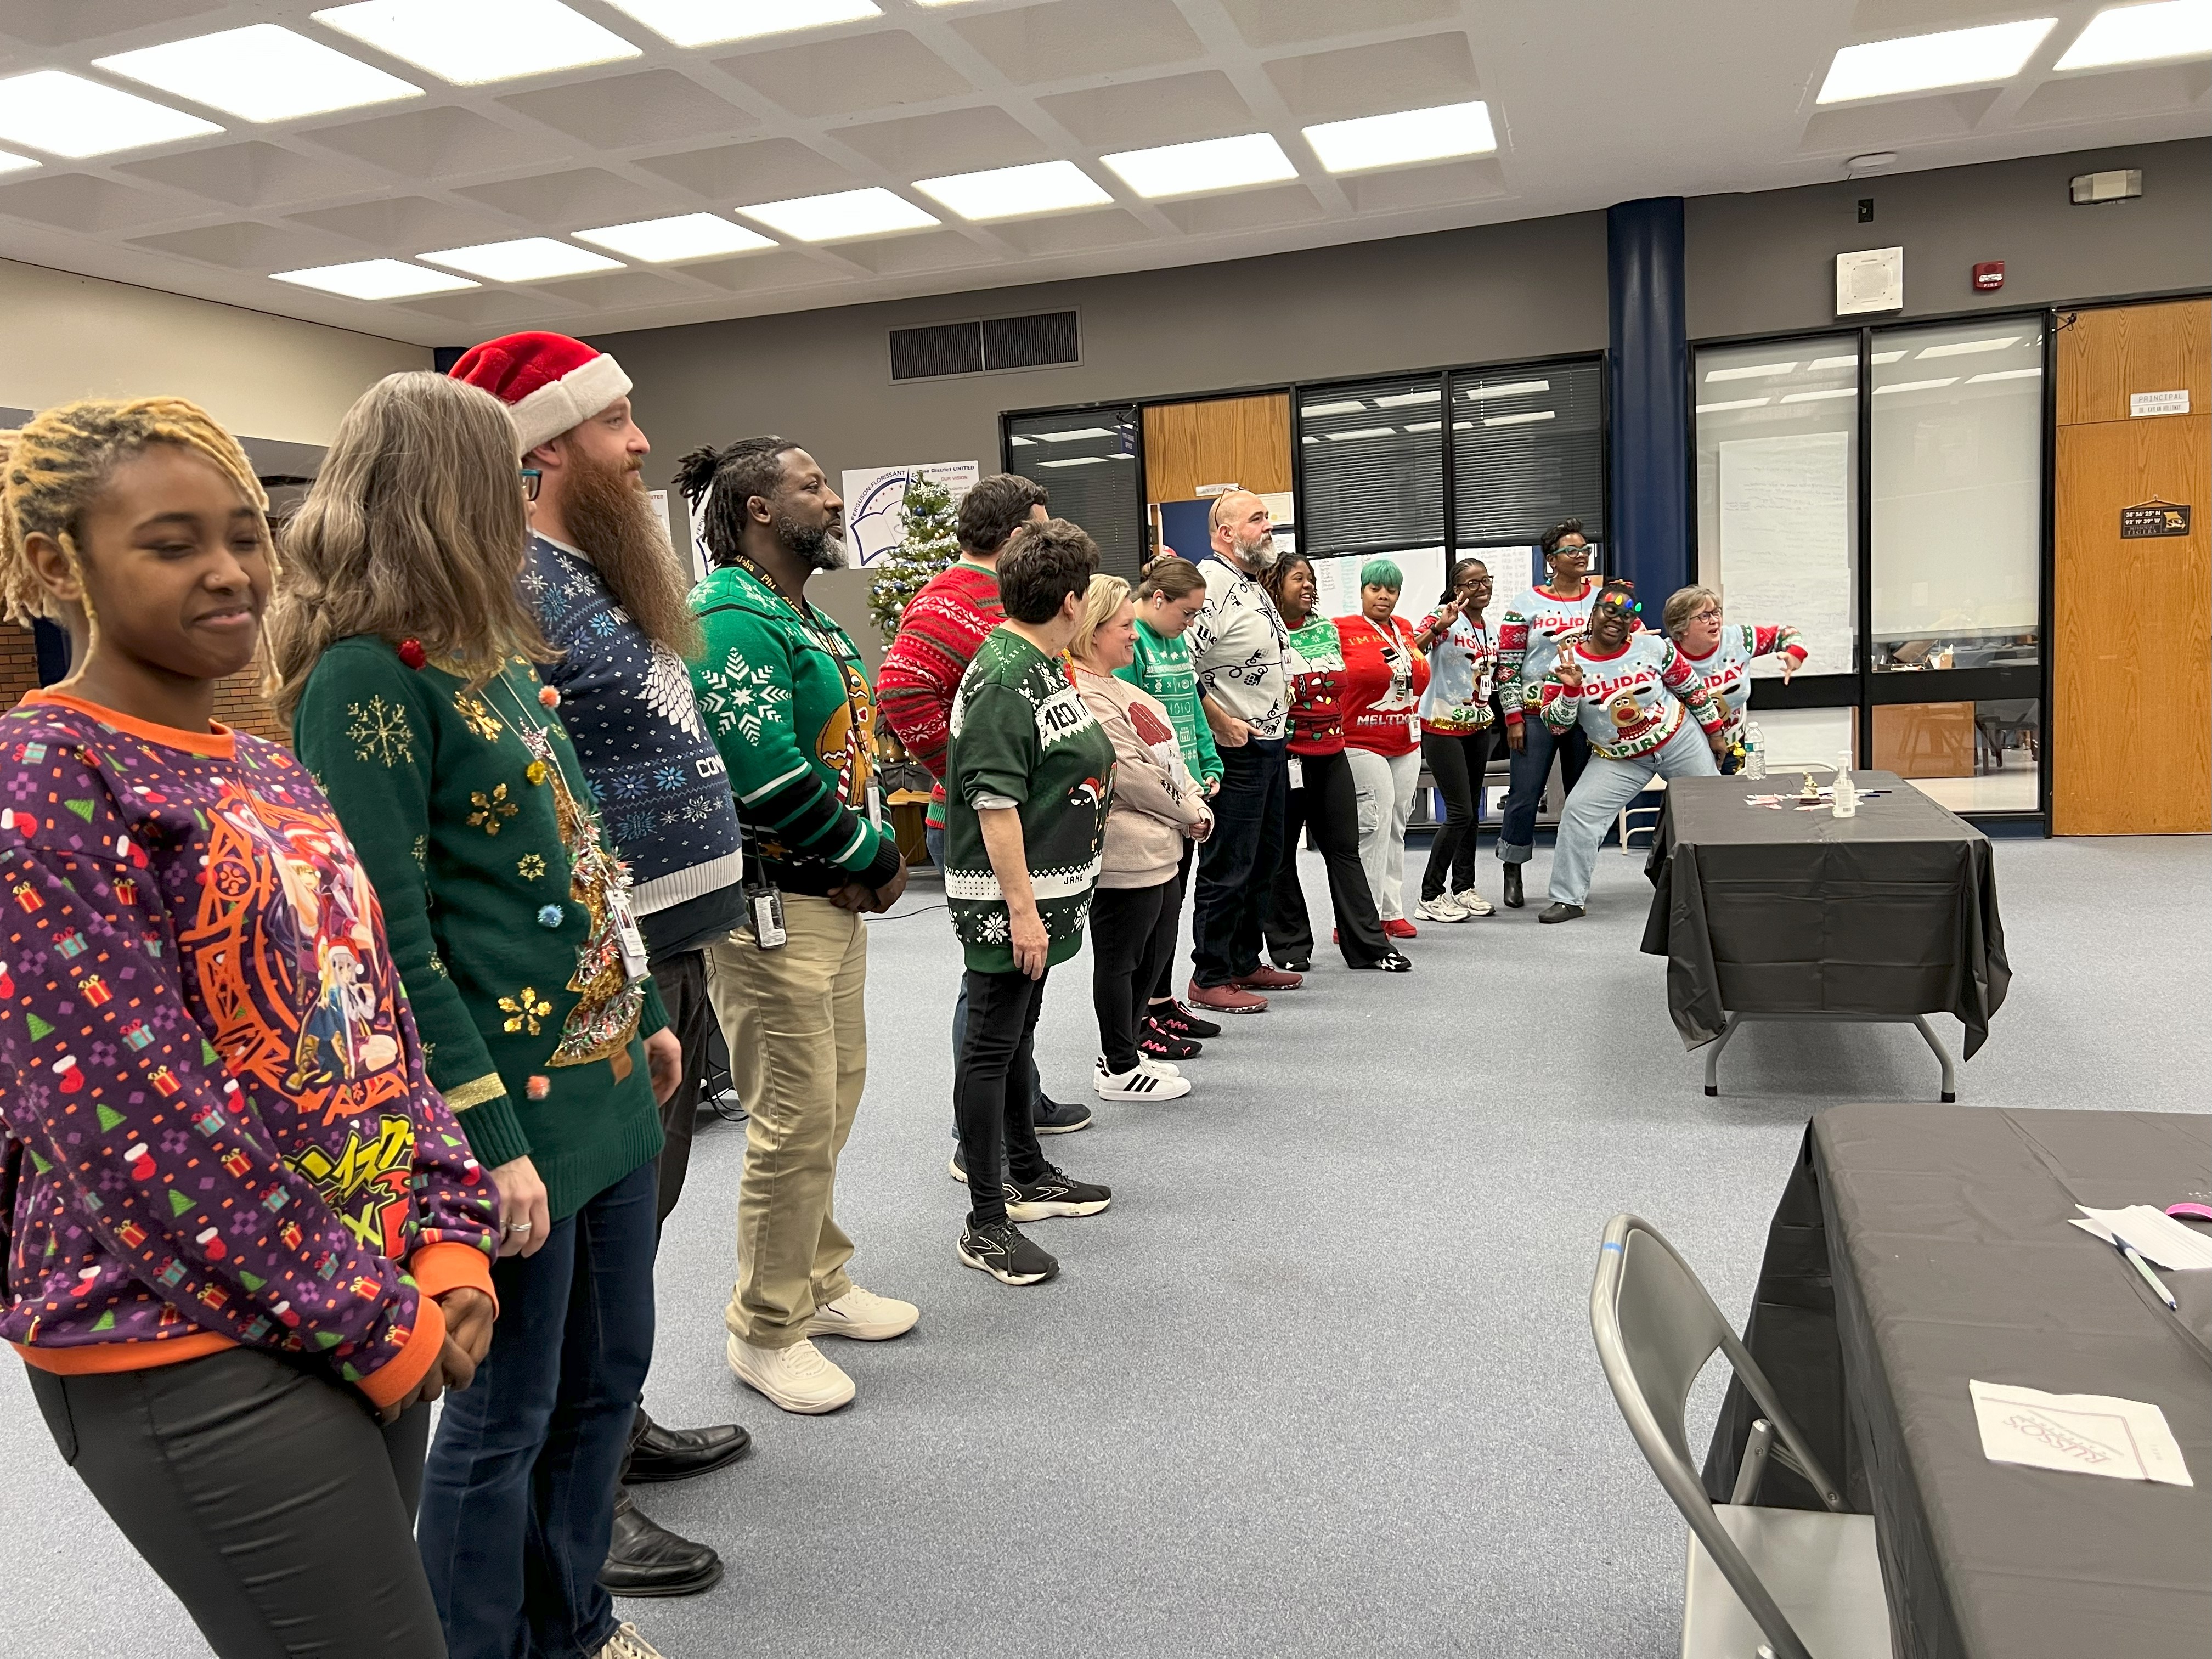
(628, 935)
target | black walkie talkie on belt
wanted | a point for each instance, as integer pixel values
(763, 898)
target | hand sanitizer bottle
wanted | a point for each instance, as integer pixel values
(1755, 751)
(1845, 796)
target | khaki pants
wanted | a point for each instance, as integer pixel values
(795, 1020)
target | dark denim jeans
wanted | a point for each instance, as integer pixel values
(1529, 769)
(935, 840)
(1237, 864)
(519, 1498)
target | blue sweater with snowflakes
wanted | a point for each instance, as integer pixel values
(663, 792)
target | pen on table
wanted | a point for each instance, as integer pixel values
(2149, 1277)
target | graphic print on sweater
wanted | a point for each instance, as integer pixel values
(1630, 702)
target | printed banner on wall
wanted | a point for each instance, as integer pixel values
(875, 502)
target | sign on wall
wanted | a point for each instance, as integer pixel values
(875, 502)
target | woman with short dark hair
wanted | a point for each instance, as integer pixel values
(1459, 734)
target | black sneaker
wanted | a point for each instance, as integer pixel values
(1053, 1194)
(999, 1250)
(1155, 1039)
(1182, 1022)
(1054, 1117)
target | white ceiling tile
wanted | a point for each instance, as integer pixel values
(616, 288)
(1436, 185)
(66, 23)
(1133, 114)
(1067, 40)
(430, 143)
(755, 273)
(1075, 233)
(950, 140)
(246, 245)
(1902, 121)
(494, 311)
(252, 174)
(1244, 209)
(848, 74)
(1376, 79)
(2116, 96)
(1295, 22)
(407, 223)
(916, 251)
(770, 170)
(656, 106)
(76, 201)
(581, 196)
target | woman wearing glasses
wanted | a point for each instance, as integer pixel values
(1723, 653)
(1529, 636)
(1626, 689)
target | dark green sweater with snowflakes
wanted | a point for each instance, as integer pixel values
(473, 820)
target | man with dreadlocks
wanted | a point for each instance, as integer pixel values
(254, 1242)
(781, 689)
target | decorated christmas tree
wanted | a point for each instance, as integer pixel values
(928, 546)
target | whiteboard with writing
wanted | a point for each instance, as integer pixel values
(1338, 578)
(1786, 543)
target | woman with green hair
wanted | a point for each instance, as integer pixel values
(1384, 676)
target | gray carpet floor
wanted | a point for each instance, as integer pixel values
(1321, 1381)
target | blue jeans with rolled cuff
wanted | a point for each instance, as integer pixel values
(1528, 768)
(1608, 785)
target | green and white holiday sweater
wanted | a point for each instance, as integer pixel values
(1161, 667)
(1023, 738)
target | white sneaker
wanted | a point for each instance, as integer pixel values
(1158, 1067)
(627, 1643)
(1138, 1083)
(1472, 902)
(1442, 908)
(864, 1316)
(797, 1378)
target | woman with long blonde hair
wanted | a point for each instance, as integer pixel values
(403, 656)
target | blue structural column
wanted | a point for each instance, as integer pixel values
(1650, 533)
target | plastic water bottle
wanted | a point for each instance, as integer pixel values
(1845, 796)
(1755, 751)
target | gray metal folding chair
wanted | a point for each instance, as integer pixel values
(1763, 1584)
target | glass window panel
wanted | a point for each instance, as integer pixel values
(1957, 491)
(1373, 464)
(1528, 451)
(1086, 460)
(1805, 736)
(1778, 490)
(1972, 756)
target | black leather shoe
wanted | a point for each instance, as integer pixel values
(1560, 913)
(658, 1453)
(645, 1559)
(1513, 887)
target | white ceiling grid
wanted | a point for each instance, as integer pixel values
(1592, 103)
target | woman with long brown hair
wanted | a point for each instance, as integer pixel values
(403, 656)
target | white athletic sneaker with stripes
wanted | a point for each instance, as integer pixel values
(1158, 1068)
(1442, 908)
(1472, 901)
(1136, 1084)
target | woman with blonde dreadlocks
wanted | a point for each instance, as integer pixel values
(403, 657)
(201, 1030)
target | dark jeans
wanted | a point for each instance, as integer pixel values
(1530, 768)
(1124, 934)
(682, 982)
(935, 840)
(1170, 924)
(520, 1496)
(1329, 803)
(995, 1125)
(263, 1494)
(1457, 763)
(1237, 864)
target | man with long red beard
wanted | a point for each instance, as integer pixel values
(611, 595)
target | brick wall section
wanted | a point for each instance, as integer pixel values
(238, 699)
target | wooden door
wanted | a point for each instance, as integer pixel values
(1245, 441)
(2131, 720)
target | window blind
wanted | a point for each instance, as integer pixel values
(1527, 451)
(1372, 465)
(1086, 460)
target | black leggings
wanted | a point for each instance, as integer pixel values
(1170, 924)
(1458, 763)
(265, 1496)
(997, 1128)
(1125, 940)
(1327, 802)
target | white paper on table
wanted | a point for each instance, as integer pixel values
(2157, 1236)
(2087, 1433)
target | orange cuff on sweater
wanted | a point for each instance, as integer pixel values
(438, 1269)
(398, 1380)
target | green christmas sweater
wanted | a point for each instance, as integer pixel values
(1163, 667)
(471, 817)
(783, 692)
(1023, 736)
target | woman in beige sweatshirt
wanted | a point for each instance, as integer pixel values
(1157, 804)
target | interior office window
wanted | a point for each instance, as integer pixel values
(1527, 451)
(1957, 465)
(1778, 490)
(1979, 755)
(1086, 460)
(1371, 455)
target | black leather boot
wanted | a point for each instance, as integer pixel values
(646, 1558)
(1513, 887)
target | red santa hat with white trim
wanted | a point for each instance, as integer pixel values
(549, 382)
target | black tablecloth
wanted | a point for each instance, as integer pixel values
(1893, 912)
(1919, 1248)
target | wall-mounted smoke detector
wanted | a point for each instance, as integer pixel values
(1874, 160)
(2120, 185)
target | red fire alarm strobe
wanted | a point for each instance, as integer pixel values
(1989, 276)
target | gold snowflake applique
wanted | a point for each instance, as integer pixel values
(530, 866)
(490, 809)
(524, 1010)
(477, 715)
(381, 731)
(421, 852)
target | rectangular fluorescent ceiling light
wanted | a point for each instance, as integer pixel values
(1425, 426)
(1506, 389)
(68, 115)
(469, 42)
(1912, 385)
(1921, 63)
(840, 215)
(666, 242)
(1739, 403)
(11, 162)
(1969, 348)
(1363, 432)
(259, 73)
(1070, 436)
(1211, 164)
(1014, 192)
(1349, 406)
(1815, 397)
(2142, 35)
(374, 279)
(1410, 135)
(1076, 460)
(2006, 374)
(1520, 420)
(1401, 400)
(1751, 372)
(710, 22)
(1019, 438)
(1886, 357)
(1817, 363)
(526, 259)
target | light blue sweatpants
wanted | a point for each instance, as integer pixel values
(1606, 786)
